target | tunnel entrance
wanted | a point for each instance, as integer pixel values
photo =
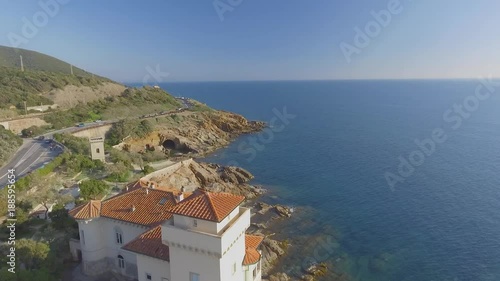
(169, 144)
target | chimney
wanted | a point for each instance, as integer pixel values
(147, 190)
(180, 196)
(133, 208)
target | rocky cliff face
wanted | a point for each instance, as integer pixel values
(213, 177)
(195, 132)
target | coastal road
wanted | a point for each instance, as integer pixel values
(32, 155)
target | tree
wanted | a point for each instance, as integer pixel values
(118, 172)
(145, 127)
(7, 276)
(31, 131)
(38, 275)
(31, 253)
(60, 218)
(148, 170)
(90, 189)
(137, 159)
(120, 130)
(45, 198)
(46, 193)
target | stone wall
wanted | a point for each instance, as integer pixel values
(93, 132)
(16, 126)
(108, 264)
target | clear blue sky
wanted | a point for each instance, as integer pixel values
(265, 39)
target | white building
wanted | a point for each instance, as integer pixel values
(151, 234)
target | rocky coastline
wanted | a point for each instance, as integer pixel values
(196, 134)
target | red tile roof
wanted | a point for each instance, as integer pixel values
(207, 205)
(145, 183)
(252, 256)
(88, 210)
(149, 244)
(144, 206)
(252, 242)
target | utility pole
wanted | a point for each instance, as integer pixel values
(22, 65)
(71, 69)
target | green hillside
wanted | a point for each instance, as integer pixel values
(133, 102)
(41, 74)
(10, 57)
(17, 87)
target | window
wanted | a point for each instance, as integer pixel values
(254, 273)
(194, 276)
(195, 223)
(82, 236)
(97, 150)
(119, 235)
(119, 238)
(148, 276)
(121, 261)
(234, 268)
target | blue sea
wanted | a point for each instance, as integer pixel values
(333, 144)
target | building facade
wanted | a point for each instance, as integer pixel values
(149, 234)
(97, 149)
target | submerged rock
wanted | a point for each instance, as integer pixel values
(283, 211)
(278, 277)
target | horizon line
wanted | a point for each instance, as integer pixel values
(313, 80)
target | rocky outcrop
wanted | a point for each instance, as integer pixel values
(213, 177)
(195, 133)
(278, 277)
(314, 271)
(272, 250)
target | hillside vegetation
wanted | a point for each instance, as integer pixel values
(131, 103)
(17, 87)
(9, 143)
(42, 75)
